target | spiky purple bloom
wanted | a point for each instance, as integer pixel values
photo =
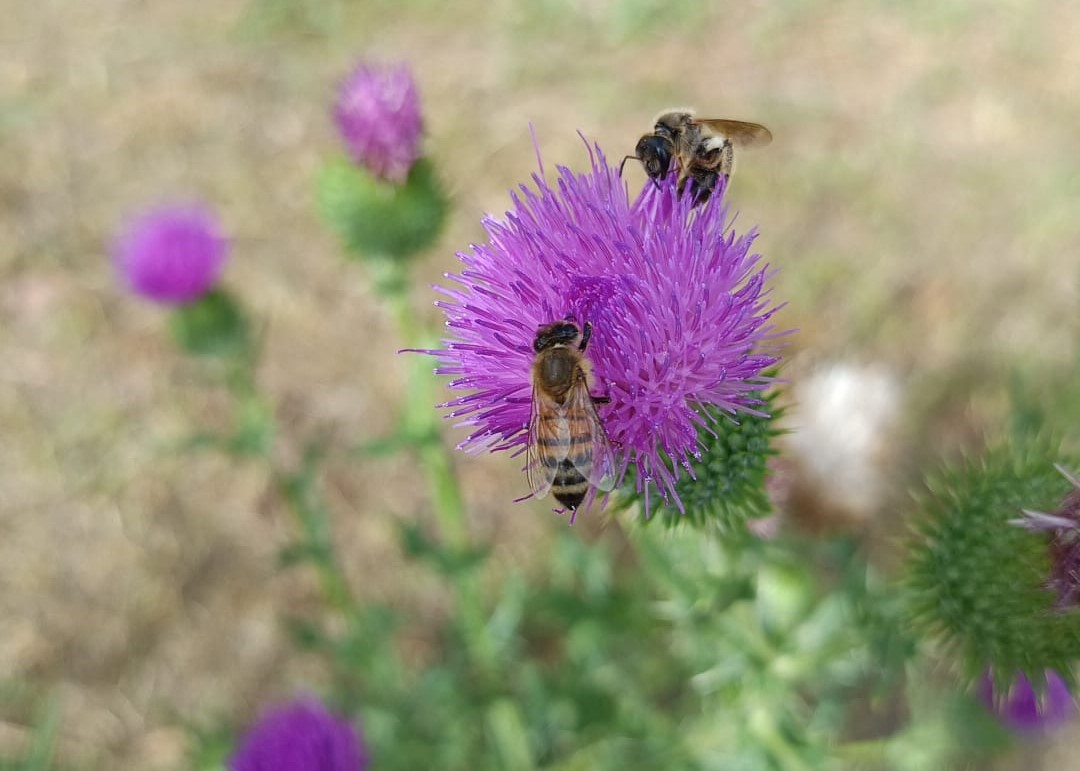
(301, 736)
(173, 254)
(1023, 709)
(378, 115)
(678, 304)
(1064, 527)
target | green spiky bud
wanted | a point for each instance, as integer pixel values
(978, 582)
(728, 484)
(378, 219)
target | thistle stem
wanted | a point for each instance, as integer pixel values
(313, 520)
(771, 738)
(421, 425)
(308, 510)
(867, 751)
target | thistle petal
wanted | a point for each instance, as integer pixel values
(1040, 521)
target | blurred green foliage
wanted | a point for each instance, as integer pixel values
(41, 736)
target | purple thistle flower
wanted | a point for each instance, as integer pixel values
(172, 254)
(1064, 527)
(301, 736)
(677, 303)
(1024, 710)
(378, 115)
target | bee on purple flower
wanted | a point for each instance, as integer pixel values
(676, 301)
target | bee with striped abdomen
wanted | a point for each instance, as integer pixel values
(703, 148)
(568, 449)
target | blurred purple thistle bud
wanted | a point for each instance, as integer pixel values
(1025, 709)
(171, 255)
(378, 115)
(301, 736)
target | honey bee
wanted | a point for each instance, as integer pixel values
(568, 449)
(703, 149)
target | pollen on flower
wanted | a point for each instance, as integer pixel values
(678, 302)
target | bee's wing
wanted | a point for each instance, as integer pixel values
(738, 132)
(600, 468)
(548, 443)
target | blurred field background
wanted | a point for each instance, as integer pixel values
(920, 199)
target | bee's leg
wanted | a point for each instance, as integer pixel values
(681, 184)
(571, 510)
(727, 160)
(586, 335)
(600, 399)
(704, 185)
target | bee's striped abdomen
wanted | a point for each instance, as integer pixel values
(570, 486)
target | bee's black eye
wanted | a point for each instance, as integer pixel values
(655, 155)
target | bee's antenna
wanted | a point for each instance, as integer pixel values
(624, 160)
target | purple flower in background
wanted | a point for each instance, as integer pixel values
(677, 301)
(378, 114)
(301, 736)
(1064, 527)
(173, 254)
(1022, 709)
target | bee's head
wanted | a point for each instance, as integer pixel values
(559, 333)
(654, 152)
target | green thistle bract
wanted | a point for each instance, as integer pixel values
(728, 487)
(977, 582)
(214, 325)
(378, 219)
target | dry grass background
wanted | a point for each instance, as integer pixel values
(920, 199)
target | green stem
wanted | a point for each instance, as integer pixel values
(766, 732)
(298, 490)
(868, 751)
(313, 520)
(421, 425)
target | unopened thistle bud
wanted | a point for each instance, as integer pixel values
(979, 583)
